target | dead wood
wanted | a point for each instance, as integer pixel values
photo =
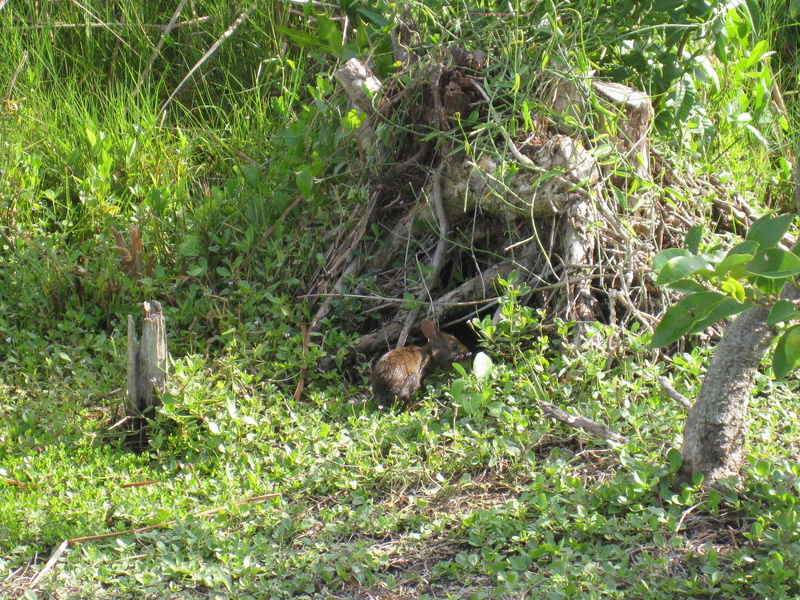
(675, 394)
(458, 207)
(592, 427)
(148, 365)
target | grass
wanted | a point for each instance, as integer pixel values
(473, 494)
(380, 503)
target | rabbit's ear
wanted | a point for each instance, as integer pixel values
(429, 330)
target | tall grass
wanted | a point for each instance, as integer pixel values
(90, 145)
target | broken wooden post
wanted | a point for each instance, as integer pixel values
(147, 361)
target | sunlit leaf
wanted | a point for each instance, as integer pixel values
(692, 240)
(768, 230)
(734, 289)
(482, 365)
(675, 459)
(782, 311)
(663, 257)
(787, 353)
(738, 255)
(682, 267)
(681, 318)
(687, 286)
(724, 310)
(774, 263)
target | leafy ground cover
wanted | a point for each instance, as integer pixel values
(246, 492)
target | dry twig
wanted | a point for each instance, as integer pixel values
(674, 394)
(595, 429)
(103, 536)
(211, 51)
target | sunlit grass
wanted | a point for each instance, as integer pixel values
(368, 502)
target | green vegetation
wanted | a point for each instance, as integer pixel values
(757, 263)
(237, 186)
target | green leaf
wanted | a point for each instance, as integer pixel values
(301, 38)
(675, 459)
(787, 353)
(693, 237)
(767, 286)
(330, 35)
(686, 96)
(304, 180)
(482, 365)
(686, 286)
(763, 468)
(738, 255)
(681, 267)
(682, 317)
(471, 403)
(663, 257)
(721, 48)
(725, 309)
(457, 389)
(733, 288)
(782, 311)
(376, 18)
(759, 51)
(774, 263)
(768, 230)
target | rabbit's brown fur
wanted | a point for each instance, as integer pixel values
(399, 373)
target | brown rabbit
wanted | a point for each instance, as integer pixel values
(398, 374)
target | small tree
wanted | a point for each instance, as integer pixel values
(758, 279)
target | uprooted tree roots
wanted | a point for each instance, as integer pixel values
(460, 201)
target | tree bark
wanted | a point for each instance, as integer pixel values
(714, 435)
(713, 438)
(147, 361)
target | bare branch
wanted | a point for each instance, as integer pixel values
(211, 51)
(674, 394)
(593, 428)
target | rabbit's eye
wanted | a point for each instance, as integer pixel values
(454, 346)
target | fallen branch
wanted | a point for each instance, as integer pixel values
(211, 51)
(595, 429)
(103, 536)
(675, 394)
(158, 47)
(437, 264)
(156, 26)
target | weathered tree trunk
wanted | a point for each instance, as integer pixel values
(714, 435)
(713, 438)
(147, 361)
(627, 118)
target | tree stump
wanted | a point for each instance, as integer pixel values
(147, 362)
(626, 116)
(460, 196)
